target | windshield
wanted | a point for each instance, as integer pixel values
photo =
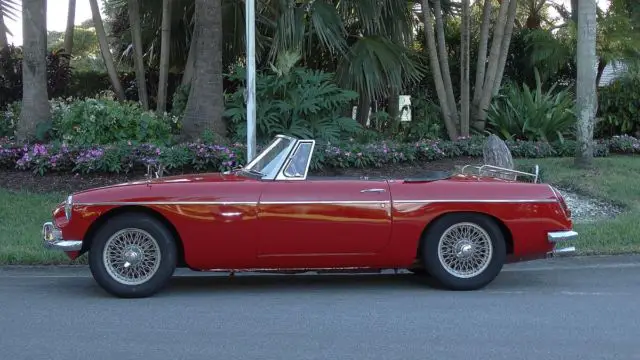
(273, 155)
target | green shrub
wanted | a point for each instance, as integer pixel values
(9, 119)
(520, 113)
(619, 106)
(58, 74)
(106, 121)
(295, 101)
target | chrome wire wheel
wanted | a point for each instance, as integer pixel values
(131, 256)
(465, 250)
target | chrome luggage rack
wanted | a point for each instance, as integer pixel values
(499, 172)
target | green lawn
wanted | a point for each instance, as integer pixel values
(615, 179)
(21, 218)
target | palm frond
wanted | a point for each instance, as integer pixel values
(374, 63)
(9, 9)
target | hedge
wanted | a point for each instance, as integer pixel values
(201, 157)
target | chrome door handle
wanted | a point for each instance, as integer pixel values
(372, 190)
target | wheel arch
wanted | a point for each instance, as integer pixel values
(133, 209)
(506, 232)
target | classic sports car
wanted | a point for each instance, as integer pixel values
(457, 227)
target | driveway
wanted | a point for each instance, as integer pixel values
(571, 308)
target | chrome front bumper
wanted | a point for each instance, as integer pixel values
(52, 239)
(556, 237)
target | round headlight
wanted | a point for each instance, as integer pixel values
(67, 207)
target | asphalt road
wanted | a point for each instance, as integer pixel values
(572, 308)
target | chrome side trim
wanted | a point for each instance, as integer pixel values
(249, 203)
(558, 236)
(327, 202)
(133, 203)
(475, 201)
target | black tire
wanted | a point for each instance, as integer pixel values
(161, 239)
(492, 265)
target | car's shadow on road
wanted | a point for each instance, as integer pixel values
(278, 284)
(204, 284)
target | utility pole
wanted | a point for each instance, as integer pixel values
(250, 32)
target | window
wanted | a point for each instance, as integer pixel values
(271, 158)
(297, 166)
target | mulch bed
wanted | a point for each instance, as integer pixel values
(68, 182)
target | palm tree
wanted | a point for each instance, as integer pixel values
(138, 52)
(206, 102)
(35, 100)
(68, 35)
(106, 51)
(164, 55)
(367, 42)
(586, 81)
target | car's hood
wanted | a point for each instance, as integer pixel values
(157, 188)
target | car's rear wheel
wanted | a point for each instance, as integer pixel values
(464, 251)
(133, 256)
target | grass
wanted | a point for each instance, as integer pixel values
(21, 218)
(615, 179)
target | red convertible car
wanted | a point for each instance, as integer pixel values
(457, 227)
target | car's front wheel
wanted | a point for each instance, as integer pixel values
(464, 251)
(133, 256)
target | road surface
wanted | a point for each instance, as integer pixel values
(571, 308)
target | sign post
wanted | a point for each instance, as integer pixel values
(250, 37)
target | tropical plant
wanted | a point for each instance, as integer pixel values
(11, 85)
(520, 113)
(105, 121)
(366, 41)
(619, 106)
(295, 101)
(8, 10)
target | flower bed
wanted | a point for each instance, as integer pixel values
(200, 157)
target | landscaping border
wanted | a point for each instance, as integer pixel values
(126, 157)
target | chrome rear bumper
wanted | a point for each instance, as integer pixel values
(556, 237)
(52, 239)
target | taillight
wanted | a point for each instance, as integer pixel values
(564, 206)
(563, 203)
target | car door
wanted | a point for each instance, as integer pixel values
(323, 216)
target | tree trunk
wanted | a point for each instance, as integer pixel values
(444, 62)
(465, 69)
(35, 100)
(481, 63)
(138, 56)
(188, 69)
(164, 56)
(602, 64)
(393, 103)
(506, 41)
(206, 102)
(574, 10)
(492, 68)
(586, 82)
(363, 109)
(71, 21)
(106, 52)
(449, 121)
(3, 32)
